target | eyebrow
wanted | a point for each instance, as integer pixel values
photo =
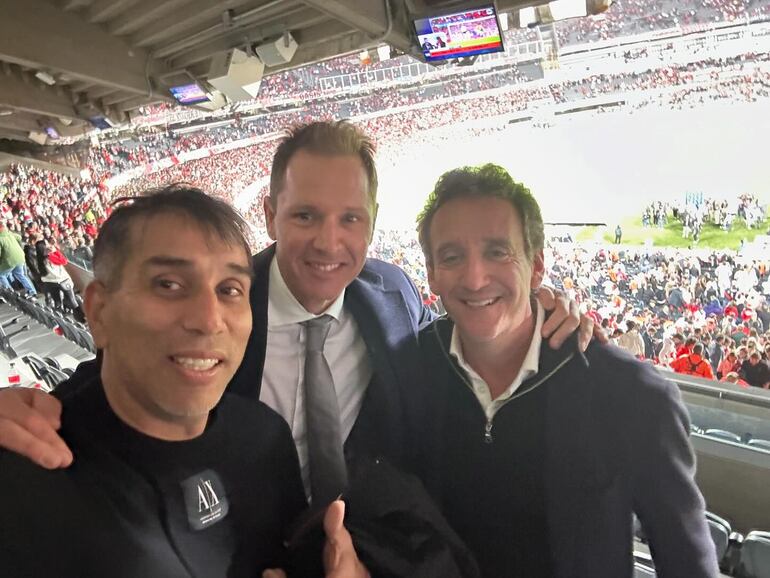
(180, 263)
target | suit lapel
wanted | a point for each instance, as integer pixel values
(248, 379)
(380, 315)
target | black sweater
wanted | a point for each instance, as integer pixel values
(133, 506)
(491, 473)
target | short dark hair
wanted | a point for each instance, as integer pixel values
(113, 243)
(330, 138)
(697, 349)
(487, 180)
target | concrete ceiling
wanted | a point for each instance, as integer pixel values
(109, 57)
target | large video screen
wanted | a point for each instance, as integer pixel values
(189, 94)
(467, 33)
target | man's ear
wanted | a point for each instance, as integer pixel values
(429, 269)
(538, 270)
(270, 210)
(94, 306)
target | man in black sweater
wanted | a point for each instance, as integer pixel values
(539, 457)
(170, 477)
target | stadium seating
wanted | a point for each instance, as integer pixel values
(760, 444)
(720, 532)
(724, 435)
(39, 347)
(755, 556)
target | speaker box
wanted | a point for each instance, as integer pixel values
(277, 52)
(236, 74)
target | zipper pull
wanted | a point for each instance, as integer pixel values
(488, 439)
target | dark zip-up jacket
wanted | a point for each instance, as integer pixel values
(610, 437)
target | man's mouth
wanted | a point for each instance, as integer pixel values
(324, 267)
(196, 363)
(480, 302)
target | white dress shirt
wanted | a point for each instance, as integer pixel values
(283, 375)
(528, 368)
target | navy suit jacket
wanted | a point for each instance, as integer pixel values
(389, 313)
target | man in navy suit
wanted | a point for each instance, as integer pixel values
(539, 457)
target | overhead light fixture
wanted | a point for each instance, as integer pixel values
(559, 10)
(43, 76)
(5, 112)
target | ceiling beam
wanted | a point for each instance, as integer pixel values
(23, 92)
(14, 134)
(103, 10)
(301, 20)
(198, 14)
(69, 5)
(372, 17)
(64, 42)
(19, 122)
(137, 17)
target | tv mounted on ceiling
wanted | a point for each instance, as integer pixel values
(459, 34)
(189, 94)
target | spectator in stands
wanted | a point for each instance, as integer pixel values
(729, 364)
(12, 261)
(57, 283)
(631, 341)
(756, 371)
(735, 378)
(539, 440)
(693, 363)
(716, 352)
(30, 260)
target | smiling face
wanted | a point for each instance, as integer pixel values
(322, 221)
(174, 330)
(480, 269)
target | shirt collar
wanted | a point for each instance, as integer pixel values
(531, 363)
(283, 307)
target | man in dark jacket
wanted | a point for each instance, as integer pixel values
(537, 457)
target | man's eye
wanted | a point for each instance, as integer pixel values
(231, 291)
(168, 284)
(449, 259)
(303, 216)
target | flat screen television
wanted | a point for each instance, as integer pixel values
(459, 34)
(189, 94)
(100, 122)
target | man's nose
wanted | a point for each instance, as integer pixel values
(204, 313)
(328, 236)
(475, 275)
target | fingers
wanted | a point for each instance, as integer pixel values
(586, 332)
(28, 425)
(334, 519)
(563, 319)
(546, 297)
(600, 334)
(47, 405)
(340, 557)
(274, 573)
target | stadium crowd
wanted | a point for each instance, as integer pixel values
(695, 210)
(676, 308)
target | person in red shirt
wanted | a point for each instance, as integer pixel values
(686, 348)
(693, 364)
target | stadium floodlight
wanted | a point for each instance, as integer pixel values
(43, 76)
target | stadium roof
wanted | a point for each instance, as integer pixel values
(65, 61)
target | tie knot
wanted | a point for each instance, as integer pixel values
(317, 330)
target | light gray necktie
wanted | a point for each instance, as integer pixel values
(328, 473)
